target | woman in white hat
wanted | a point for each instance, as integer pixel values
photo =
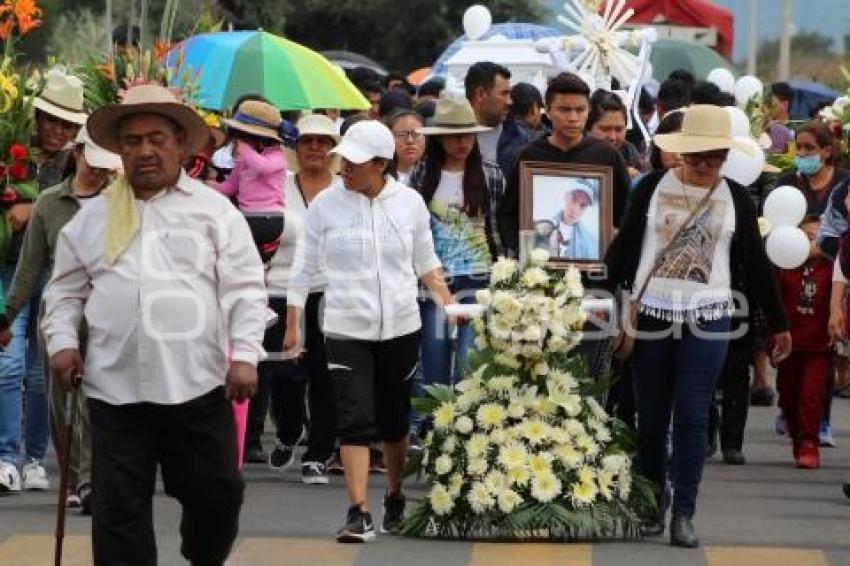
(373, 235)
(689, 250)
(310, 173)
(460, 188)
(87, 175)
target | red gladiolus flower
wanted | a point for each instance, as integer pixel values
(18, 152)
(9, 195)
(18, 172)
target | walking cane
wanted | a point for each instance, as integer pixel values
(71, 402)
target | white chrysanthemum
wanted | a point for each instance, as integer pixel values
(614, 463)
(584, 493)
(501, 383)
(479, 498)
(535, 277)
(569, 456)
(559, 436)
(586, 475)
(490, 415)
(574, 427)
(463, 424)
(540, 463)
(557, 344)
(539, 256)
(572, 279)
(572, 405)
(516, 410)
(605, 483)
(596, 409)
(507, 361)
(545, 487)
(443, 465)
(498, 436)
(502, 270)
(495, 481)
(531, 351)
(501, 329)
(519, 476)
(477, 467)
(541, 369)
(513, 455)
(603, 434)
(479, 325)
(574, 316)
(586, 444)
(444, 415)
(455, 484)
(441, 501)
(477, 445)
(507, 500)
(535, 431)
(483, 297)
(533, 333)
(449, 444)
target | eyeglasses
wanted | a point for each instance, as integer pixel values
(710, 158)
(411, 135)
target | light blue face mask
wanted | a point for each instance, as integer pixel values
(808, 165)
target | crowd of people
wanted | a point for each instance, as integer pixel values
(306, 260)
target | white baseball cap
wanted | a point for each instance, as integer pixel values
(366, 140)
(95, 155)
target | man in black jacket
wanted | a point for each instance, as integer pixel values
(568, 105)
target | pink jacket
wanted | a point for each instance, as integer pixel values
(257, 179)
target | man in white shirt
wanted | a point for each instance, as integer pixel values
(168, 278)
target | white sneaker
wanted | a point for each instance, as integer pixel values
(10, 480)
(35, 476)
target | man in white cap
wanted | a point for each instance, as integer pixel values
(574, 239)
(59, 113)
(169, 279)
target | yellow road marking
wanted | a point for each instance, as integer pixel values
(37, 550)
(487, 554)
(292, 552)
(736, 556)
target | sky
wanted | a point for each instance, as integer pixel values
(830, 17)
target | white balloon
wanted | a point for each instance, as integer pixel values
(746, 88)
(744, 168)
(723, 78)
(476, 21)
(787, 247)
(785, 206)
(740, 121)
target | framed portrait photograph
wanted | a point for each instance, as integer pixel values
(567, 210)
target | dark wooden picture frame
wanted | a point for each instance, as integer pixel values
(541, 183)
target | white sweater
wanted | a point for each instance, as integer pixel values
(375, 251)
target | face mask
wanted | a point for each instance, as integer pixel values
(808, 165)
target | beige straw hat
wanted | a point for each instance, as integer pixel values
(454, 115)
(62, 97)
(148, 99)
(256, 118)
(314, 125)
(705, 127)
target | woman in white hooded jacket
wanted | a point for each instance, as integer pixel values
(375, 238)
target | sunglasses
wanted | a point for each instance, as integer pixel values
(710, 158)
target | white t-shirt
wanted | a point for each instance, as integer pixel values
(488, 143)
(450, 190)
(694, 279)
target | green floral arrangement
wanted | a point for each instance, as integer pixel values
(520, 449)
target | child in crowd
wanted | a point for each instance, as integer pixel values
(801, 379)
(259, 171)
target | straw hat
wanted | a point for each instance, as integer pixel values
(95, 155)
(256, 118)
(453, 115)
(313, 125)
(62, 97)
(148, 99)
(705, 127)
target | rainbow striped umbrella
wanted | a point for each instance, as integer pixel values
(232, 64)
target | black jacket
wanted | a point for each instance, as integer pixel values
(589, 151)
(752, 272)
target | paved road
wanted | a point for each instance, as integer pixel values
(766, 514)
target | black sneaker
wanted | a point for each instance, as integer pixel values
(393, 513)
(358, 526)
(314, 473)
(281, 457)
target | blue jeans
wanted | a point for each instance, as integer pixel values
(677, 374)
(22, 384)
(437, 342)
